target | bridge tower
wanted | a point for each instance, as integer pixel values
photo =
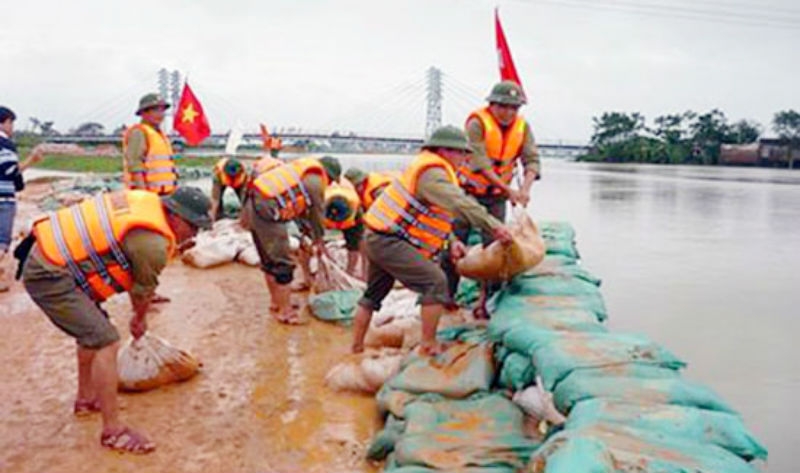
(434, 99)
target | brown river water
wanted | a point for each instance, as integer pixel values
(703, 260)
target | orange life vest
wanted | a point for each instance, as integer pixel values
(264, 164)
(343, 190)
(501, 148)
(375, 183)
(234, 182)
(397, 211)
(86, 238)
(159, 174)
(284, 184)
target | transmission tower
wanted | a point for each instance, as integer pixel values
(163, 82)
(434, 96)
(175, 84)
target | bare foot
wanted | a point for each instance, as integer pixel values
(126, 440)
(85, 407)
(357, 348)
(431, 349)
(290, 318)
(274, 308)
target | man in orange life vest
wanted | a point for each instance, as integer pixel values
(228, 172)
(343, 212)
(410, 224)
(293, 191)
(80, 255)
(500, 138)
(148, 158)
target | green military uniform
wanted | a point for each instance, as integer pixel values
(272, 238)
(135, 150)
(54, 290)
(391, 257)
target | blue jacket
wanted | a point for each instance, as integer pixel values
(10, 177)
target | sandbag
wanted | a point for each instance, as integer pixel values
(498, 262)
(538, 403)
(396, 333)
(226, 242)
(602, 448)
(579, 387)
(458, 435)
(720, 428)
(329, 276)
(150, 362)
(515, 314)
(365, 372)
(516, 370)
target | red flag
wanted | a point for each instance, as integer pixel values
(190, 120)
(507, 69)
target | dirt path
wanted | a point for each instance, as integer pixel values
(258, 406)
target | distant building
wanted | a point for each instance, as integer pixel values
(768, 152)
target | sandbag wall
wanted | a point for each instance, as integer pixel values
(626, 404)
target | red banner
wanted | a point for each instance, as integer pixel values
(190, 120)
(506, 63)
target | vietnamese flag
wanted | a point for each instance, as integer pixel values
(507, 69)
(190, 120)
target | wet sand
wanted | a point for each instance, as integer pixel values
(259, 404)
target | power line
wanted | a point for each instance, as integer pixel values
(667, 11)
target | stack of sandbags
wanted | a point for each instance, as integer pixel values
(498, 262)
(227, 241)
(149, 362)
(365, 372)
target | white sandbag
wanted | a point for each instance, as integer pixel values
(150, 362)
(329, 276)
(227, 241)
(365, 372)
(398, 304)
(538, 403)
(395, 333)
(498, 262)
(249, 256)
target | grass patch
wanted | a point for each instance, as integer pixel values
(108, 164)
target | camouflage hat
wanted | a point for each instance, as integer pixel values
(507, 93)
(151, 101)
(332, 167)
(355, 175)
(190, 204)
(448, 137)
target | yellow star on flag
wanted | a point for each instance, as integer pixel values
(189, 114)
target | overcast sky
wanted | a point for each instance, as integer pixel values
(360, 64)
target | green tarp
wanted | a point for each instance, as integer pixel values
(334, 306)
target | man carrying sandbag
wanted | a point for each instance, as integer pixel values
(227, 173)
(501, 138)
(410, 224)
(81, 255)
(292, 191)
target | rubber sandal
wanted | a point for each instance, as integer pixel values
(127, 441)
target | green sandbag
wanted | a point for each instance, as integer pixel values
(554, 265)
(529, 285)
(422, 469)
(516, 372)
(569, 351)
(384, 441)
(558, 230)
(453, 435)
(616, 449)
(335, 306)
(629, 370)
(690, 423)
(514, 313)
(536, 292)
(579, 387)
(468, 292)
(464, 371)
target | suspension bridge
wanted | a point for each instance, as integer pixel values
(385, 121)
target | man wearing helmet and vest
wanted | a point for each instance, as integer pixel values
(148, 158)
(500, 138)
(343, 212)
(293, 191)
(410, 224)
(79, 256)
(369, 185)
(228, 172)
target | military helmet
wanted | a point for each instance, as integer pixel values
(332, 167)
(448, 137)
(190, 204)
(355, 175)
(233, 167)
(150, 101)
(508, 93)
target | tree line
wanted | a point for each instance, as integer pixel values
(685, 138)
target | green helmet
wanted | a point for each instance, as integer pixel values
(508, 93)
(151, 101)
(355, 175)
(233, 167)
(332, 167)
(190, 204)
(448, 137)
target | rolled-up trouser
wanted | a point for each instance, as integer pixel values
(496, 206)
(393, 258)
(271, 239)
